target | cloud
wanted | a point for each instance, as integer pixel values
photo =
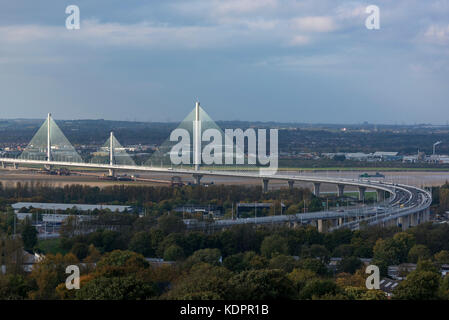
(315, 24)
(299, 40)
(242, 6)
(437, 34)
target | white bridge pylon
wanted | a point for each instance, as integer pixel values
(50, 144)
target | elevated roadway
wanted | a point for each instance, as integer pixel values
(406, 205)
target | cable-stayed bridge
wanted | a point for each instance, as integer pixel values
(404, 206)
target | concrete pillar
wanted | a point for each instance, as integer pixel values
(340, 221)
(362, 191)
(111, 151)
(341, 190)
(111, 172)
(290, 184)
(380, 195)
(197, 178)
(405, 222)
(3, 165)
(320, 225)
(265, 185)
(16, 166)
(414, 220)
(197, 138)
(48, 138)
(316, 190)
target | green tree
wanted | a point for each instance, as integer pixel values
(349, 265)
(170, 223)
(203, 281)
(264, 284)
(319, 288)
(80, 250)
(442, 257)
(392, 251)
(210, 256)
(273, 245)
(419, 285)
(29, 237)
(418, 251)
(117, 288)
(300, 277)
(173, 253)
(315, 265)
(141, 242)
(283, 262)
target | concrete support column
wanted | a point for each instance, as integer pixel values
(265, 185)
(340, 221)
(49, 138)
(413, 220)
(111, 172)
(16, 166)
(197, 178)
(362, 191)
(380, 195)
(316, 189)
(320, 225)
(290, 184)
(341, 190)
(3, 165)
(405, 222)
(111, 150)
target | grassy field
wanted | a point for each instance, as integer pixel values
(52, 246)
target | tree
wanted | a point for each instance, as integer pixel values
(300, 277)
(203, 281)
(392, 251)
(80, 250)
(49, 273)
(169, 223)
(442, 257)
(319, 288)
(273, 245)
(264, 284)
(444, 288)
(29, 237)
(315, 265)
(343, 250)
(349, 265)
(173, 253)
(419, 285)
(316, 251)
(14, 287)
(141, 243)
(117, 288)
(210, 256)
(418, 251)
(93, 255)
(283, 262)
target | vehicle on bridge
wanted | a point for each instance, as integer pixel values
(367, 175)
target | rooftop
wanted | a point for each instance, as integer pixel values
(65, 206)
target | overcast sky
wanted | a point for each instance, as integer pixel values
(282, 60)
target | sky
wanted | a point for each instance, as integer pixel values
(308, 61)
